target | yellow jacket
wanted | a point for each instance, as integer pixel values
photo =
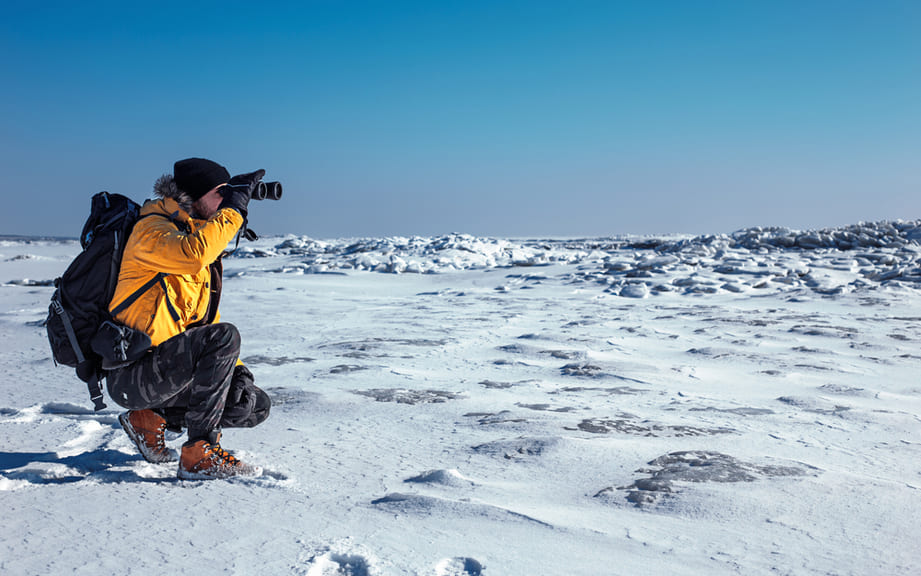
(157, 245)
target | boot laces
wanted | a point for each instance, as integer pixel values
(159, 435)
(226, 457)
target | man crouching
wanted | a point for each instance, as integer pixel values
(192, 377)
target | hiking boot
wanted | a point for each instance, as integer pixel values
(202, 460)
(146, 428)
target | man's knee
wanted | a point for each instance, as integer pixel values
(227, 333)
(222, 336)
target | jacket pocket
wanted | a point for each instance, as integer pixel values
(188, 295)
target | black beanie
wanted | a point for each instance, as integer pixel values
(197, 176)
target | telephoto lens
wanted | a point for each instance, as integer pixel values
(267, 191)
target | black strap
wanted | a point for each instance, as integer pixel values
(94, 385)
(158, 278)
(68, 327)
(183, 226)
(244, 232)
(169, 305)
(140, 291)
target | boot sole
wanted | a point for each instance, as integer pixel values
(151, 457)
(184, 474)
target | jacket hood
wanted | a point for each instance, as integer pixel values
(165, 187)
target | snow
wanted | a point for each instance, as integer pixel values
(729, 404)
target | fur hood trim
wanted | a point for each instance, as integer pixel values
(165, 187)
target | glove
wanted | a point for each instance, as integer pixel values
(250, 179)
(236, 197)
(239, 191)
(246, 405)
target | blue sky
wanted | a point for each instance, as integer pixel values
(524, 118)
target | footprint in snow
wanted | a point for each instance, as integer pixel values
(339, 564)
(459, 567)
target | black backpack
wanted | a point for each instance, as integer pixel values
(80, 304)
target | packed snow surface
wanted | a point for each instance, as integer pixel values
(730, 404)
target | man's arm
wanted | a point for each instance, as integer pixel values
(158, 245)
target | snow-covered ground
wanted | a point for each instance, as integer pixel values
(732, 404)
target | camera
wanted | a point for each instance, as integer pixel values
(260, 190)
(267, 191)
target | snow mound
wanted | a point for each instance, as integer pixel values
(830, 261)
(451, 478)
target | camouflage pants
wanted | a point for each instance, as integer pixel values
(190, 373)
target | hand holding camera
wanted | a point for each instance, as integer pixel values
(245, 187)
(259, 190)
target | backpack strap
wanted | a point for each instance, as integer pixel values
(156, 279)
(169, 305)
(94, 385)
(137, 293)
(68, 326)
(94, 381)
